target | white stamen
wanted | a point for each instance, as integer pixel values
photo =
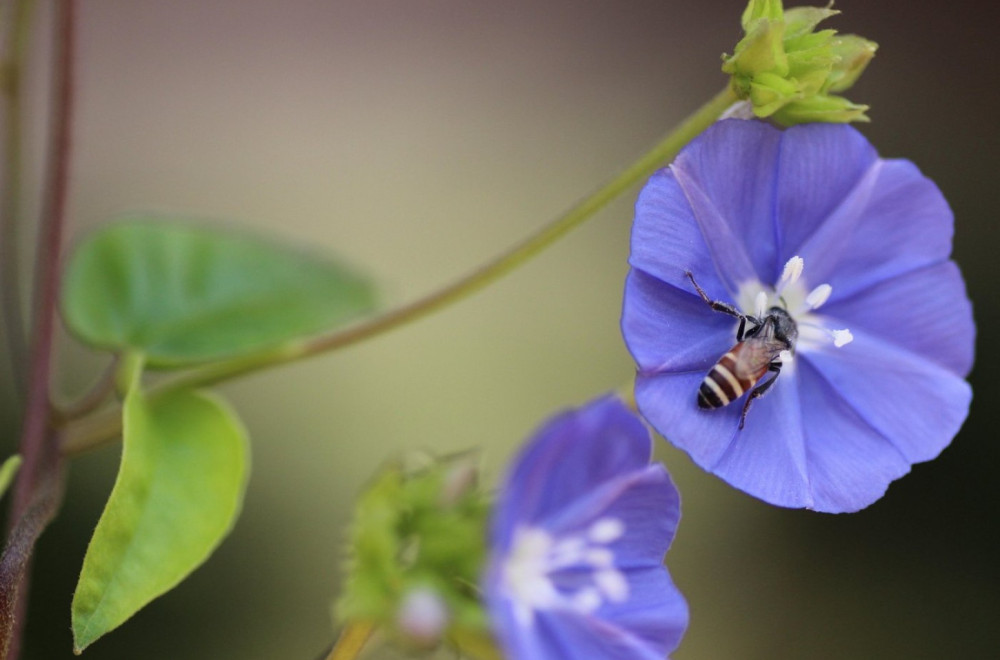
(567, 550)
(841, 337)
(586, 600)
(818, 296)
(791, 273)
(576, 571)
(526, 574)
(606, 530)
(612, 584)
(600, 557)
(760, 305)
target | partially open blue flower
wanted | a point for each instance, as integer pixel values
(856, 249)
(578, 537)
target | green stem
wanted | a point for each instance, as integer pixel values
(93, 398)
(352, 640)
(94, 430)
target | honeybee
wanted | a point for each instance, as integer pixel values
(757, 351)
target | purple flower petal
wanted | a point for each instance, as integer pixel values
(892, 223)
(667, 329)
(727, 175)
(668, 402)
(915, 403)
(925, 312)
(666, 239)
(646, 504)
(541, 643)
(567, 459)
(825, 180)
(850, 463)
(656, 611)
(584, 638)
(766, 459)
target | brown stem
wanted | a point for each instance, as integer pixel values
(39, 444)
(15, 563)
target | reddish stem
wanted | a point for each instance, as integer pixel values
(39, 450)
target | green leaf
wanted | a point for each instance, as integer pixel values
(179, 489)
(7, 472)
(182, 293)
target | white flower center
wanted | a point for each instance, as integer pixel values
(790, 293)
(531, 572)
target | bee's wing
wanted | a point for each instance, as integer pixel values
(750, 360)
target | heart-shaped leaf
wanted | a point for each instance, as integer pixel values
(184, 467)
(181, 293)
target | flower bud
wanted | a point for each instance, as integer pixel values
(461, 476)
(789, 70)
(422, 617)
(853, 55)
(418, 541)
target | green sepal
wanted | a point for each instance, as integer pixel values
(759, 51)
(761, 9)
(802, 20)
(853, 54)
(821, 108)
(179, 490)
(770, 92)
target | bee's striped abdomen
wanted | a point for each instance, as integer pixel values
(721, 386)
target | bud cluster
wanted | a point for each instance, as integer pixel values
(791, 71)
(418, 544)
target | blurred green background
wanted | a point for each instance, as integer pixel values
(417, 138)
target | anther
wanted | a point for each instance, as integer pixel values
(606, 530)
(791, 273)
(760, 304)
(818, 296)
(841, 337)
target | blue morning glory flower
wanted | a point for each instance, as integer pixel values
(579, 532)
(811, 224)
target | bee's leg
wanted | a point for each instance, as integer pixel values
(742, 328)
(760, 390)
(718, 305)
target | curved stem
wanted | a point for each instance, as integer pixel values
(40, 472)
(352, 640)
(648, 163)
(92, 399)
(92, 431)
